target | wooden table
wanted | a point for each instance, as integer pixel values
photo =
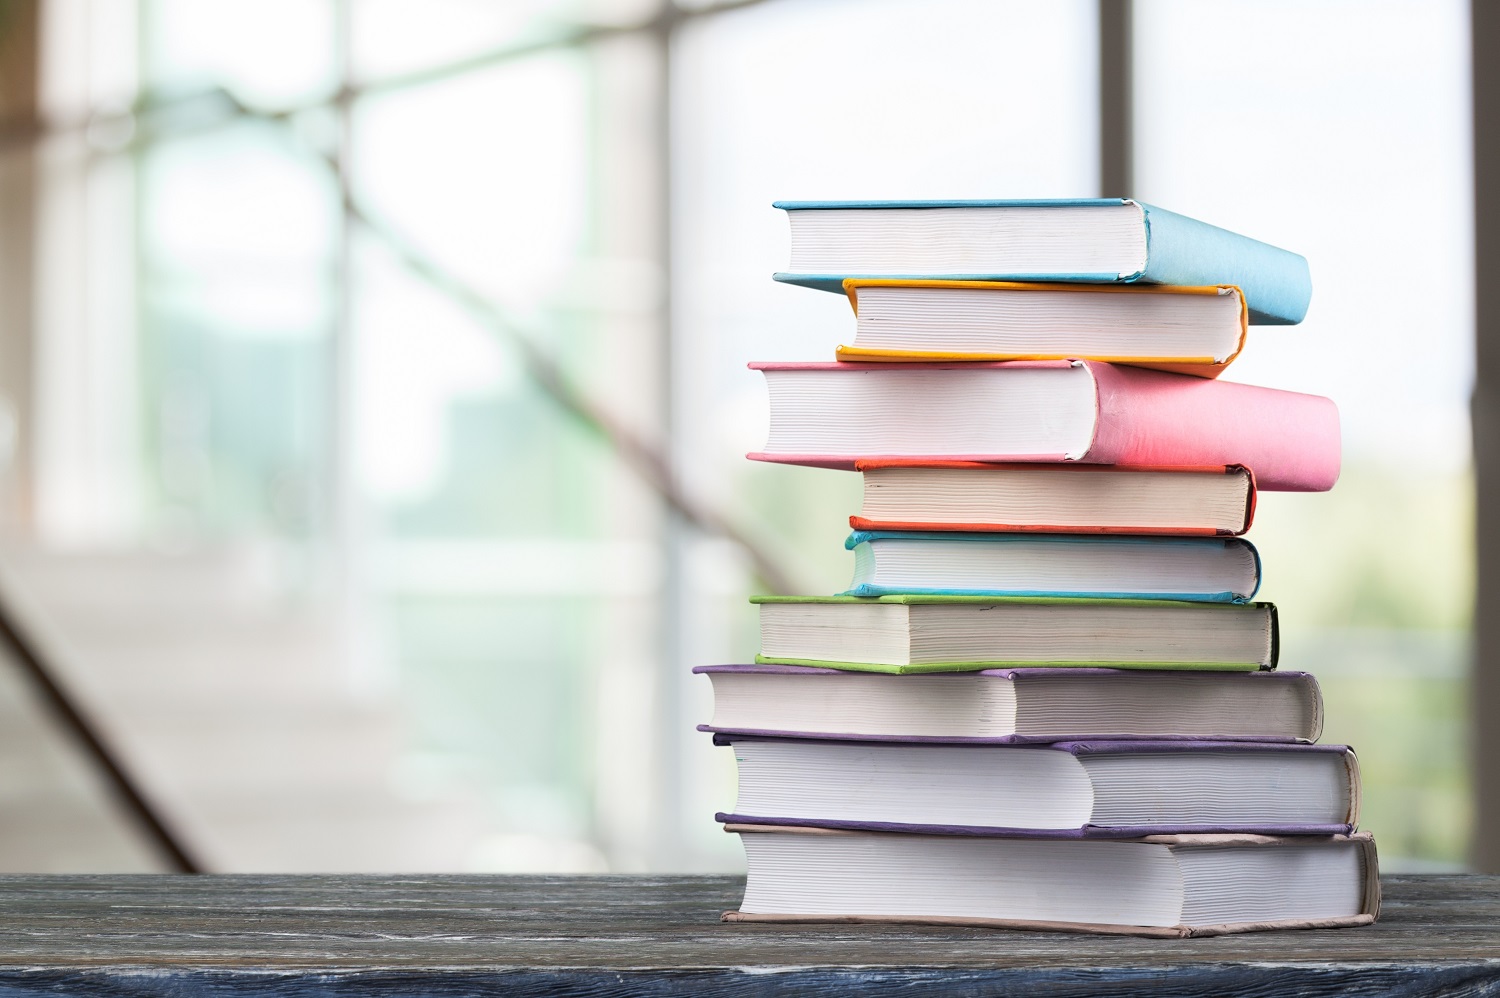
(451, 935)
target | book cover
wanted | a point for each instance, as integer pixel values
(1201, 367)
(1368, 889)
(1154, 665)
(1289, 440)
(1061, 542)
(1087, 747)
(1179, 251)
(1019, 676)
(1013, 675)
(1040, 525)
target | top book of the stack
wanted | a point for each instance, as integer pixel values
(1093, 240)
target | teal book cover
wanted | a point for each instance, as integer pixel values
(1135, 659)
(1179, 251)
(1091, 558)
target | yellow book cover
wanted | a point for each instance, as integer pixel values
(1203, 367)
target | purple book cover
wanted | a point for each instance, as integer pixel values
(1104, 745)
(835, 736)
(1094, 747)
(1010, 674)
(1086, 832)
(806, 670)
(769, 668)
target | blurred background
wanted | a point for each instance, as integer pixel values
(373, 396)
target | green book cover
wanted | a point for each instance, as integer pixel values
(906, 670)
(914, 599)
(976, 666)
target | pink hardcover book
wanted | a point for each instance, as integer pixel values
(834, 414)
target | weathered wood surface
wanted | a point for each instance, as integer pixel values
(452, 935)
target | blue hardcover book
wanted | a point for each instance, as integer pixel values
(1091, 240)
(1100, 566)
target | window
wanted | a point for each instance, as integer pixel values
(464, 454)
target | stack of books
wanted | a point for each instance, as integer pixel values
(1047, 699)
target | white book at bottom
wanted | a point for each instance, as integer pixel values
(1172, 885)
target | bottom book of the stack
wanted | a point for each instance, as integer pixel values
(1158, 885)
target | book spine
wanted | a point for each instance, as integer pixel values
(1181, 250)
(1315, 721)
(1252, 491)
(1356, 786)
(1290, 441)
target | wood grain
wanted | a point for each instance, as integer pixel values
(450, 935)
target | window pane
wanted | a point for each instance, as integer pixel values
(392, 37)
(268, 52)
(236, 244)
(1341, 130)
(514, 565)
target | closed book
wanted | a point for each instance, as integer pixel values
(1193, 569)
(915, 633)
(1014, 706)
(1089, 240)
(1074, 789)
(1157, 885)
(1196, 331)
(1062, 498)
(835, 415)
